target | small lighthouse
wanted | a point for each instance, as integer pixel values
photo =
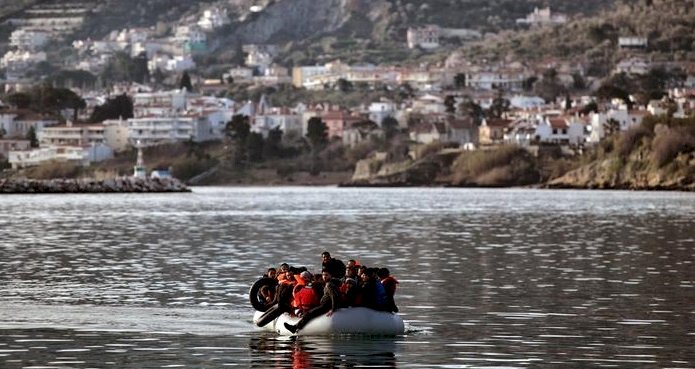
(139, 170)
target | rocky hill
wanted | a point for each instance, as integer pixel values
(311, 29)
(667, 24)
(659, 155)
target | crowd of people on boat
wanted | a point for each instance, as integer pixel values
(307, 295)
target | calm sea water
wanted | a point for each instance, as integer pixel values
(489, 278)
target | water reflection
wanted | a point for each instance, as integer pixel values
(323, 352)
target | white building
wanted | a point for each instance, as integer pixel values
(161, 103)
(21, 59)
(379, 110)
(633, 42)
(239, 74)
(633, 66)
(172, 64)
(560, 130)
(7, 145)
(302, 75)
(426, 37)
(29, 40)
(289, 123)
(495, 78)
(526, 102)
(625, 119)
(213, 18)
(80, 155)
(116, 134)
(542, 17)
(17, 124)
(156, 130)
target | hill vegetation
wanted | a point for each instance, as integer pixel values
(658, 154)
(667, 24)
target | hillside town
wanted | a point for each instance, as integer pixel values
(470, 104)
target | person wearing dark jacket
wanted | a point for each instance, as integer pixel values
(335, 266)
(372, 292)
(389, 283)
(330, 302)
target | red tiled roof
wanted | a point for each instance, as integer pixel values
(498, 123)
(558, 122)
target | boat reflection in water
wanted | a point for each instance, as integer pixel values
(273, 351)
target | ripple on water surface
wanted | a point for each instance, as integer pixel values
(489, 278)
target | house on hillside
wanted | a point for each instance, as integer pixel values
(288, 122)
(521, 132)
(542, 17)
(7, 145)
(426, 37)
(633, 42)
(361, 132)
(448, 130)
(491, 131)
(80, 155)
(338, 120)
(18, 123)
(560, 130)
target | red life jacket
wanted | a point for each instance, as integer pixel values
(305, 298)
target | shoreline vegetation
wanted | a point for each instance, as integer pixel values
(659, 155)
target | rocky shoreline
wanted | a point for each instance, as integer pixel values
(113, 185)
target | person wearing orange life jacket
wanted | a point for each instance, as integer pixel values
(283, 298)
(305, 297)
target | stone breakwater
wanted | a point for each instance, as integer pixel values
(114, 185)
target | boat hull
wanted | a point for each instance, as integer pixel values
(356, 320)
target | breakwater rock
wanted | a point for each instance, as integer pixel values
(114, 185)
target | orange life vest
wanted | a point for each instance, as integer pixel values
(305, 298)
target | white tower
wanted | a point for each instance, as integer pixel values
(139, 170)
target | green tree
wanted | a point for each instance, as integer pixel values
(31, 136)
(611, 127)
(450, 104)
(469, 108)
(344, 85)
(317, 133)
(254, 146)
(588, 108)
(238, 130)
(185, 82)
(119, 107)
(499, 106)
(390, 126)
(124, 68)
(549, 88)
(19, 100)
(273, 144)
(460, 80)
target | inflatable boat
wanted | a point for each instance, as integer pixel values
(353, 320)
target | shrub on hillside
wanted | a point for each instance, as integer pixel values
(669, 142)
(505, 166)
(630, 139)
(54, 170)
(433, 148)
(185, 168)
(360, 151)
